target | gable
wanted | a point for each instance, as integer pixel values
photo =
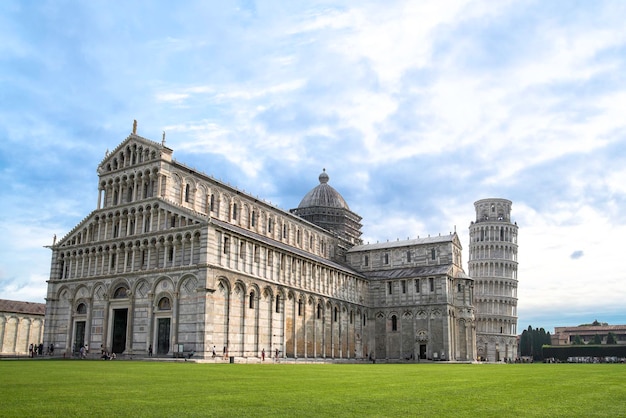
(134, 150)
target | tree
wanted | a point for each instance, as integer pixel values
(596, 339)
(577, 340)
(532, 341)
(610, 339)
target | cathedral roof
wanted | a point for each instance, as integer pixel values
(323, 195)
(453, 237)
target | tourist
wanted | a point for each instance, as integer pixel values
(150, 351)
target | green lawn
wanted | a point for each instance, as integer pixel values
(40, 388)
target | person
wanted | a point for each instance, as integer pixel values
(83, 354)
(41, 349)
(263, 355)
(30, 350)
(214, 352)
(150, 351)
(113, 356)
(51, 349)
(277, 354)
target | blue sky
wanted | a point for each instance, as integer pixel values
(416, 109)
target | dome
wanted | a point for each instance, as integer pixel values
(323, 195)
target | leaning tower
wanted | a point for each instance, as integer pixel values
(493, 266)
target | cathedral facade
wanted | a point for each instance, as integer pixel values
(173, 261)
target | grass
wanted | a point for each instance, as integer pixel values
(134, 388)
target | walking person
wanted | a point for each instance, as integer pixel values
(263, 355)
(150, 351)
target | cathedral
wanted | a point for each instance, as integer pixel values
(173, 261)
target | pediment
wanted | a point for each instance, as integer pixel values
(132, 151)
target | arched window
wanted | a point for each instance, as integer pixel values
(187, 193)
(164, 304)
(81, 309)
(212, 204)
(299, 307)
(234, 211)
(251, 300)
(394, 323)
(120, 293)
(336, 314)
(277, 303)
(319, 312)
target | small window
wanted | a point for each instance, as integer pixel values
(251, 300)
(164, 304)
(81, 309)
(394, 323)
(366, 260)
(187, 193)
(242, 250)
(120, 293)
(403, 286)
(417, 285)
(319, 312)
(431, 283)
(253, 218)
(299, 307)
(226, 245)
(270, 225)
(212, 204)
(285, 231)
(408, 256)
(336, 314)
(277, 304)
(459, 287)
(386, 258)
(433, 253)
(390, 287)
(171, 254)
(234, 211)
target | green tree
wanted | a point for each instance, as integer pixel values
(596, 339)
(577, 340)
(610, 339)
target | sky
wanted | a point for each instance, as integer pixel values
(416, 109)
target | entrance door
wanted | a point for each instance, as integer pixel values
(163, 334)
(79, 335)
(423, 351)
(120, 318)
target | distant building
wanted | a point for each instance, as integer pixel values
(587, 333)
(21, 324)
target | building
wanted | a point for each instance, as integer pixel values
(587, 333)
(493, 266)
(21, 324)
(174, 260)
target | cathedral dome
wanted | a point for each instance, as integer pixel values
(323, 195)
